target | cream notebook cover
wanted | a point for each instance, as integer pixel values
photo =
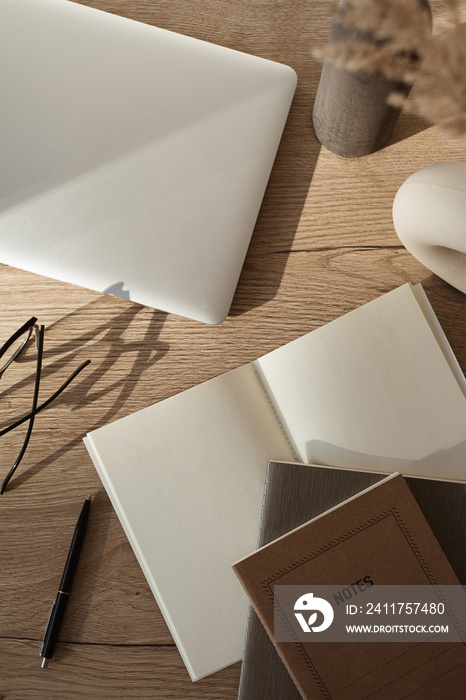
(377, 389)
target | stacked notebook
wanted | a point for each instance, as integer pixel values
(297, 493)
(377, 390)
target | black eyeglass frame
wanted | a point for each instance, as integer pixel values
(28, 329)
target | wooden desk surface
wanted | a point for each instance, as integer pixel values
(324, 244)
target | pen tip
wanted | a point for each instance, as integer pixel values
(88, 498)
(45, 662)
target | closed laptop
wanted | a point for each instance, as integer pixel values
(133, 159)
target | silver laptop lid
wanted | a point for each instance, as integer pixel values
(133, 159)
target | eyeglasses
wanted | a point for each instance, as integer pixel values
(10, 352)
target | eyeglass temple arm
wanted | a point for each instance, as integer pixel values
(40, 408)
(40, 349)
(35, 410)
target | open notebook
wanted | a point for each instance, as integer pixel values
(377, 389)
(133, 160)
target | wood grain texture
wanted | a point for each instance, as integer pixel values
(324, 244)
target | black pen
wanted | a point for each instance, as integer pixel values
(59, 606)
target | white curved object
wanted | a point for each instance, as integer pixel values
(429, 214)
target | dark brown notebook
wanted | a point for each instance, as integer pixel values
(295, 493)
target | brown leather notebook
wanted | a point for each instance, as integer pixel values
(384, 522)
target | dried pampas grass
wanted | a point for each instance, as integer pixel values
(397, 40)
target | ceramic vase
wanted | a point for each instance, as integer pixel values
(351, 116)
